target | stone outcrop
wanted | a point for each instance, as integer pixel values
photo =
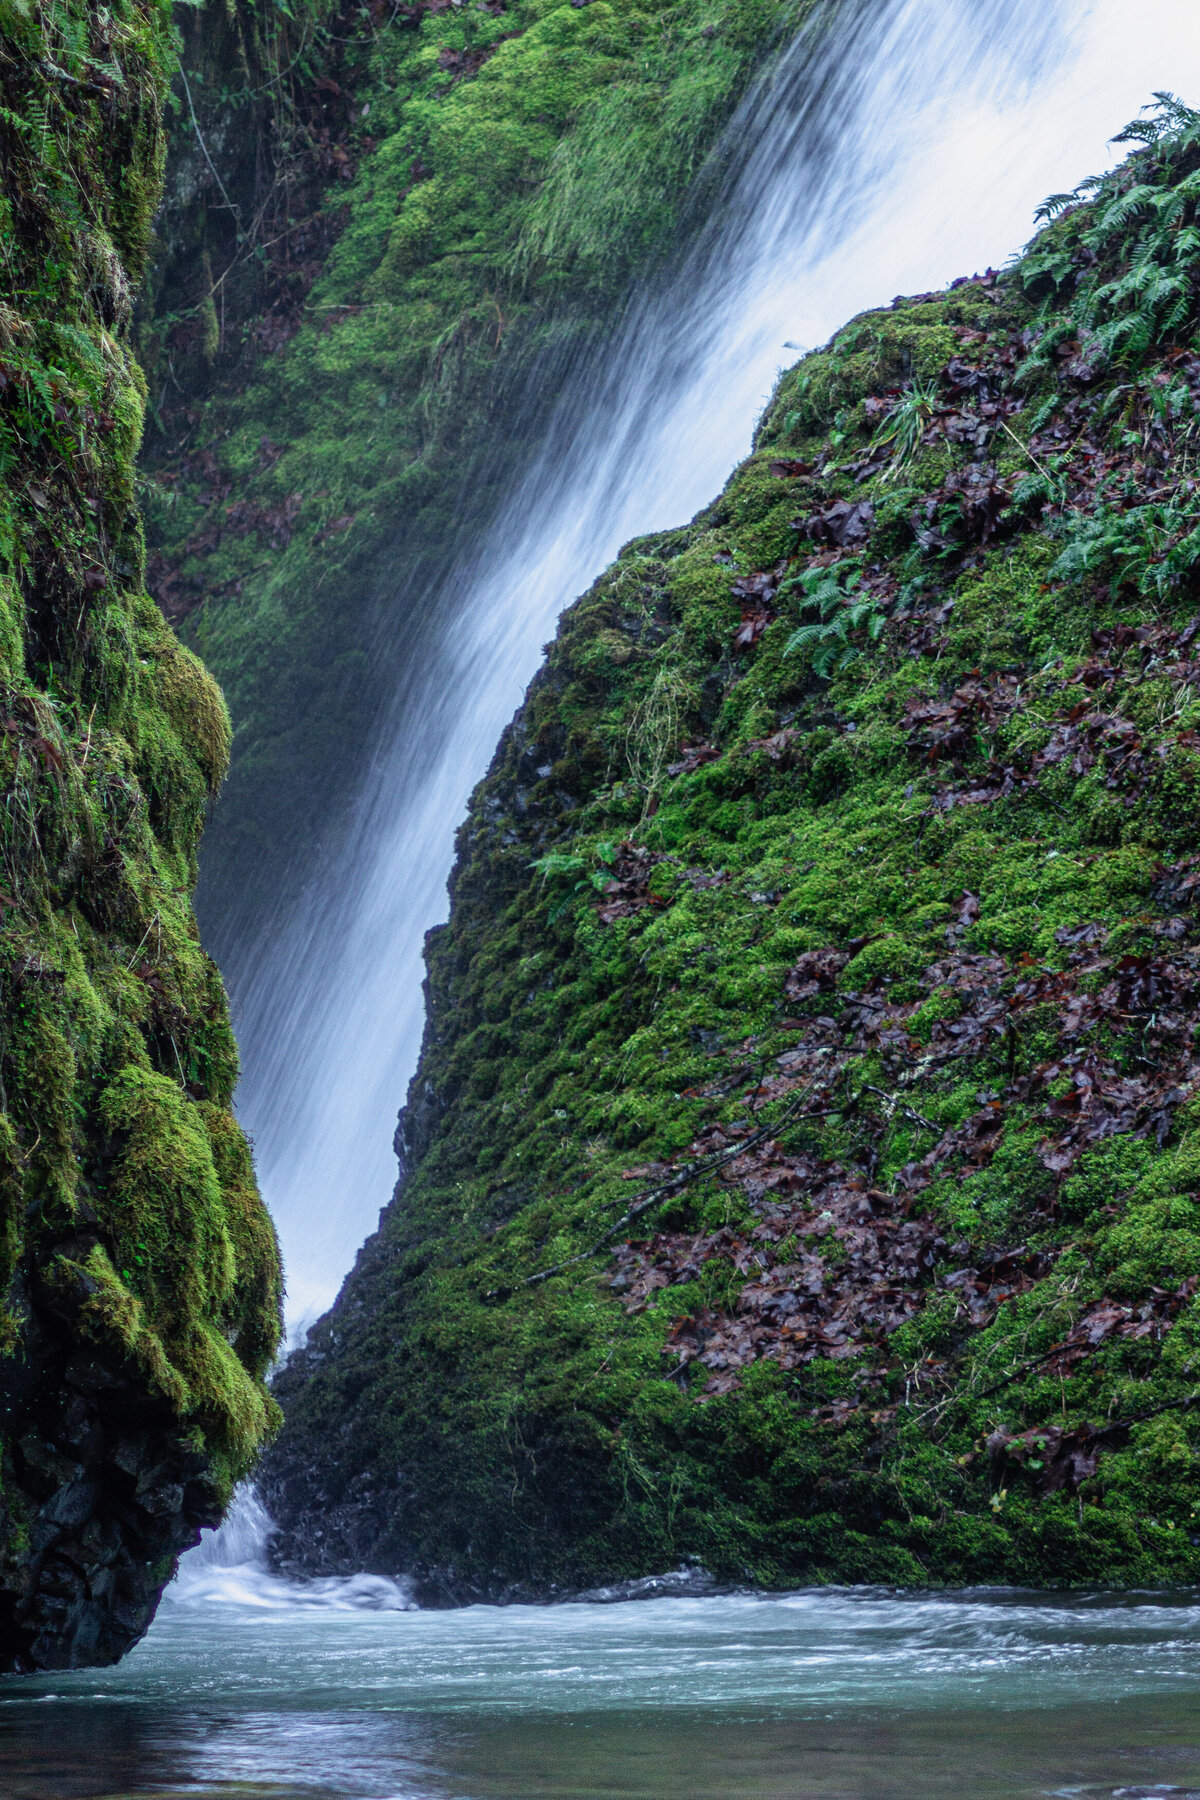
(139, 1275)
(803, 1166)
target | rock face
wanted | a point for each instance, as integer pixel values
(110, 1482)
(803, 1168)
(139, 1276)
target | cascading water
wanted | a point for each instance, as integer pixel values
(895, 144)
(229, 1568)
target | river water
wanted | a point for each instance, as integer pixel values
(246, 1687)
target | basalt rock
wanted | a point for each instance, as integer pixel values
(104, 1486)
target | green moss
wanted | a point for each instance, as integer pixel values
(123, 1177)
(924, 884)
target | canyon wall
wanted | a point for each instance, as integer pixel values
(140, 1276)
(800, 1178)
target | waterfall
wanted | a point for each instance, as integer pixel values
(893, 145)
(229, 1568)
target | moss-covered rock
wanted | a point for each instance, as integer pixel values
(138, 1270)
(801, 1172)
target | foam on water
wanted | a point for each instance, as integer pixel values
(229, 1570)
(251, 1686)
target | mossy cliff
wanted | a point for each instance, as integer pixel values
(803, 1168)
(388, 231)
(138, 1270)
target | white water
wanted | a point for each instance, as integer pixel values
(911, 150)
(228, 1569)
(834, 1695)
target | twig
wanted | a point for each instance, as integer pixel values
(894, 1106)
(145, 935)
(1040, 467)
(1156, 1412)
(939, 1406)
(204, 147)
(88, 741)
(691, 1172)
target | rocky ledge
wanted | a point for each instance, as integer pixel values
(103, 1487)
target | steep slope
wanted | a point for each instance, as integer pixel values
(801, 1172)
(139, 1272)
(388, 231)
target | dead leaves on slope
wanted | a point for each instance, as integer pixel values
(831, 1264)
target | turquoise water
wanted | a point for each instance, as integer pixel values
(245, 1686)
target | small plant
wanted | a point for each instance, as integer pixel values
(1170, 119)
(838, 613)
(904, 427)
(574, 870)
(652, 732)
(1154, 548)
(1133, 255)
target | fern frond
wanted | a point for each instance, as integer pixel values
(1030, 489)
(1171, 115)
(799, 640)
(1052, 205)
(1187, 246)
(1118, 213)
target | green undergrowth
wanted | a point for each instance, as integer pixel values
(128, 1199)
(346, 361)
(803, 1163)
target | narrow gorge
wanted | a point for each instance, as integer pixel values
(799, 1176)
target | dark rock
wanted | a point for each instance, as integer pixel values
(107, 1508)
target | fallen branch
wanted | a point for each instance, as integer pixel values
(706, 1165)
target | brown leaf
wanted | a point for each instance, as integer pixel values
(845, 523)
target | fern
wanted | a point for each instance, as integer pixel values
(85, 347)
(1119, 211)
(1040, 357)
(826, 638)
(1171, 119)
(1126, 246)
(1033, 488)
(1053, 205)
(1153, 548)
(557, 866)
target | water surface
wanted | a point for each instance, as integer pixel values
(255, 1688)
